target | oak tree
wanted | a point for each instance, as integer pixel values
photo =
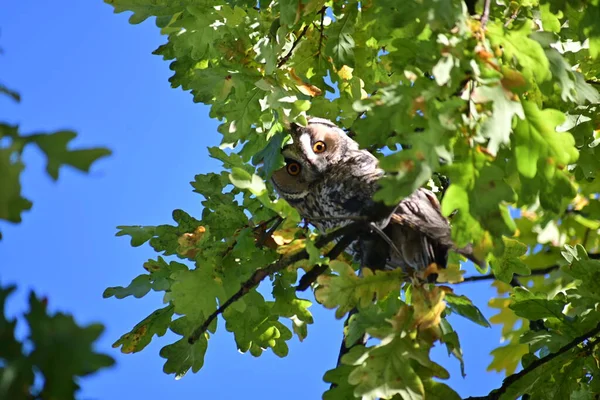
(493, 104)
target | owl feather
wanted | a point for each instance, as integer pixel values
(331, 182)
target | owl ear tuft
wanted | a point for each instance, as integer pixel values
(295, 129)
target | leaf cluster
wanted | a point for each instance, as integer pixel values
(55, 146)
(56, 348)
(498, 98)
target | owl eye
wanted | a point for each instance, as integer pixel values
(293, 168)
(319, 147)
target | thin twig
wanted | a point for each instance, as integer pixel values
(586, 236)
(497, 393)
(312, 275)
(268, 232)
(535, 272)
(486, 14)
(362, 113)
(258, 276)
(592, 82)
(259, 242)
(512, 17)
(321, 29)
(289, 54)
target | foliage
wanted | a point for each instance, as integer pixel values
(55, 148)
(56, 348)
(502, 102)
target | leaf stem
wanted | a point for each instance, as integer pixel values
(512, 17)
(497, 393)
(321, 29)
(535, 272)
(289, 53)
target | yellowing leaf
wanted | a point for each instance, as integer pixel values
(507, 358)
(428, 305)
(347, 290)
(506, 317)
(305, 88)
(451, 274)
(511, 261)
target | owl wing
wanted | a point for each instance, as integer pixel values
(422, 234)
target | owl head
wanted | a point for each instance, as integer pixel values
(314, 150)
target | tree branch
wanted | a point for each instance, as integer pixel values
(321, 29)
(349, 232)
(268, 233)
(497, 393)
(285, 58)
(289, 54)
(535, 272)
(312, 275)
(512, 17)
(488, 277)
(486, 14)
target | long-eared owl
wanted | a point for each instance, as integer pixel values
(331, 182)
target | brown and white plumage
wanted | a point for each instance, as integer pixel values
(331, 182)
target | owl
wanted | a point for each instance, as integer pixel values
(331, 182)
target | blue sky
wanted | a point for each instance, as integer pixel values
(79, 66)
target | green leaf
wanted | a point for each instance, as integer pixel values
(534, 307)
(441, 71)
(194, 293)
(62, 350)
(410, 173)
(257, 327)
(556, 380)
(289, 8)
(244, 180)
(390, 368)
(339, 378)
(347, 290)
(12, 204)
(507, 357)
(420, 86)
(11, 348)
(141, 334)
(181, 356)
(537, 141)
(340, 43)
(517, 45)
(387, 374)
(511, 261)
(287, 304)
(584, 269)
(452, 342)
(54, 145)
(143, 10)
(464, 307)
(158, 279)
(374, 319)
(139, 234)
(439, 391)
(498, 127)
(139, 287)
(271, 154)
(550, 20)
